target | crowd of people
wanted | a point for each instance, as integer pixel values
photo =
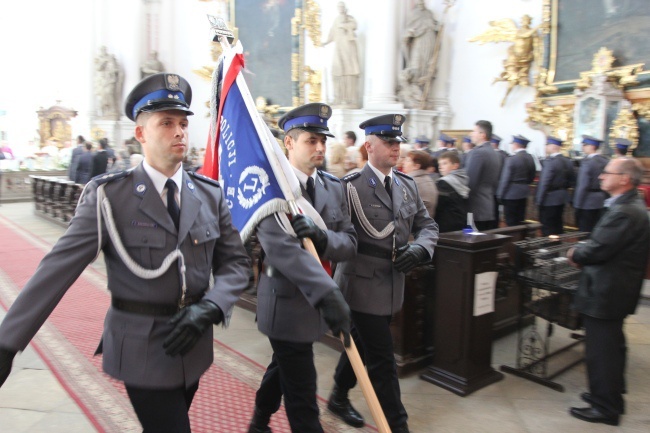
(370, 223)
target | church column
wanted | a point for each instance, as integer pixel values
(382, 57)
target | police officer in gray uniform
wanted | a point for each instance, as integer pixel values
(552, 189)
(588, 198)
(495, 141)
(297, 300)
(445, 143)
(158, 331)
(386, 209)
(517, 174)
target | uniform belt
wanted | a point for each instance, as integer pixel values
(374, 251)
(151, 309)
(270, 271)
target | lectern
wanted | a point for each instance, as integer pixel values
(463, 336)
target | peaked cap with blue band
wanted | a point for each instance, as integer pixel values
(495, 139)
(309, 117)
(588, 139)
(422, 139)
(467, 139)
(622, 143)
(159, 92)
(554, 140)
(446, 138)
(520, 140)
(388, 127)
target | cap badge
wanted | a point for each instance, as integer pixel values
(324, 111)
(397, 121)
(173, 82)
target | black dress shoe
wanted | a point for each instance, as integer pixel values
(591, 414)
(586, 397)
(260, 422)
(339, 404)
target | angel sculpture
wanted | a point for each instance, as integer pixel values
(526, 47)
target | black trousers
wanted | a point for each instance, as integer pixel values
(163, 411)
(291, 374)
(551, 219)
(372, 336)
(605, 356)
(486, 225)
(586, 219)
(514, 211)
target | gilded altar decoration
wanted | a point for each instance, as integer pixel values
(554, 120)
(602, 64)
(625, 126)
(526, 47)
(306, 22)
(54, 124)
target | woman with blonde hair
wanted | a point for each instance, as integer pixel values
(337, 154)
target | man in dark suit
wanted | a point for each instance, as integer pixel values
(85, 165)
(297, 300)
(552, 194)
(613, 263)
(588, 198)
(158, 331)
(100, 159)
(386, 209)
(483, 166)
(74, 157)
(517, 174)
(495, 142)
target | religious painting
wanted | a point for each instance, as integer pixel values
(264, 29)
(581, 27)
(458, 135)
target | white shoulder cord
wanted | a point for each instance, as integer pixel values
(353, 199)
(104, 208)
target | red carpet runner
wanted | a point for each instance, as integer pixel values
(68, 340)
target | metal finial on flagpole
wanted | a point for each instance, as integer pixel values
(222, 33)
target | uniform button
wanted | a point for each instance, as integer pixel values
(207, 233)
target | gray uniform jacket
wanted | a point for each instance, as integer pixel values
(371, 284)
(588, 194)
(132, 343)
(286, 298)
(482, 166)
(556, 177)
(614, 260)
(517, 174)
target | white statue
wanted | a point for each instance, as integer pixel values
(345, 63)
(151, 66)
(108, 84)
(419, 46)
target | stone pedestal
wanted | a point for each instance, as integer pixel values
(462, 341)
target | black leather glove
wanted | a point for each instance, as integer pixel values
(409, 256)
(305, 227)
(336, 313)
(6, 359)
(189, 325)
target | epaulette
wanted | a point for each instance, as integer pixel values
(329, 175)
(203, 178)
(351, 176)
(396, 171)
(109, 177)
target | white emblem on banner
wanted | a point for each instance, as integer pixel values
(253, 183)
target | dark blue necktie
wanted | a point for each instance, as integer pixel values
(311, 190)
(387, 186)
(172, 206)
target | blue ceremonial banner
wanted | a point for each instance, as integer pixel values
(256, 176)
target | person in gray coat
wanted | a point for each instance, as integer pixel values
(614, 264)
(386, 209)
(517, 174)
(552, 194)
(158, 331)
(495, 141)
(297, 300)
(483, 166)
(588, 198)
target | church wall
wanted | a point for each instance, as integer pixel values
(53, 50)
